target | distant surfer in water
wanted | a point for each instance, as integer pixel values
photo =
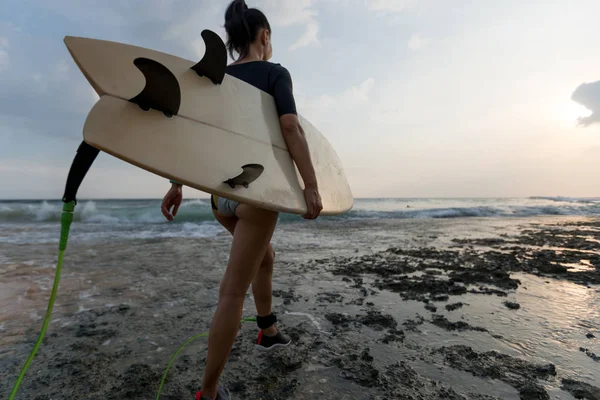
(252, 256)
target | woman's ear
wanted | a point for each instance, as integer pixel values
(266, 36)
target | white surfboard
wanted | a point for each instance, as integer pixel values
(197, 132)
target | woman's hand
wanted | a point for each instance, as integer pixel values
(313, 203)
(173, 199)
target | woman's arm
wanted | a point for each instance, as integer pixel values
(295, 140)
(173, 199)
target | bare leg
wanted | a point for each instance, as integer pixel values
(262, 287)
(253, 231)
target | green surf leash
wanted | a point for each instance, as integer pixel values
(65, 221)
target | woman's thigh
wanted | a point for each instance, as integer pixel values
(252, 234)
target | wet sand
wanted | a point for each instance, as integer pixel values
(414, 309)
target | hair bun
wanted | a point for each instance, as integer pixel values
(236, 9)
(242, 25)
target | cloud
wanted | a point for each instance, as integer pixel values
(287, 13)
(395, 6)
(588, 95)
(51, 102)
(342, 114)
(310, 37)
(332, 105)
(390, 5)
(417, 42)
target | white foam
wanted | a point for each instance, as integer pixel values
(82, 309)
(44, 212)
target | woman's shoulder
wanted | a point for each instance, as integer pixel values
(278, 71)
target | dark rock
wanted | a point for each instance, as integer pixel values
(411, 325)
(359, 302)
(511, 305)
(481, 242)
(518, 373)
(457, 290)
(137, 382)
(581, 390)
(488, 291)
(365, 356)
(590, 354)
(329, 297)
(358, 367)
(393, 335)
(552, 268)
(532, 391)
(92, 330)
(288, 296)
(454, 306)
(337, 318)
(440, 297)
(442, 322)
(377, 320)
(430, 307)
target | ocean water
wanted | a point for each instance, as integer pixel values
(37, 221)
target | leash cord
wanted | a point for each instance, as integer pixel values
(65, 221)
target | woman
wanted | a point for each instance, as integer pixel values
(251, 258)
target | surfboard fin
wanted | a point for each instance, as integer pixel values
(214, 61)
(250, 174)
(162, 91)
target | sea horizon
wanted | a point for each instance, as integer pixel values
(556, 197)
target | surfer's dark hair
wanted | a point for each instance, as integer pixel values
(242, 25)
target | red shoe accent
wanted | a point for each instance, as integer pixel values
(199, 396)
(259, 337)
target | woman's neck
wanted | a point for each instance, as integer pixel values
(253, 55)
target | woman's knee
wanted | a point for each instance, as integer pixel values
(269, 259)
(227, 293)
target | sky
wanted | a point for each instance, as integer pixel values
(420, 98)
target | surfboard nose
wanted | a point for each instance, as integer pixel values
(71, 44)
(68, 40)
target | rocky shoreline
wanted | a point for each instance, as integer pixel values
(349, 342)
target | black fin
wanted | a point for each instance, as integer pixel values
(214, 61)
(250, 174)
(162, 91)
